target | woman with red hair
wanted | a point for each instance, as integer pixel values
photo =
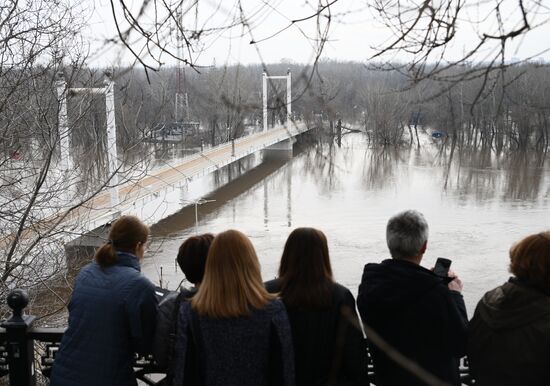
(233, 332)
(509, 338)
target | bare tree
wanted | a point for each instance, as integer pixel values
(425, 35)
(41, 192)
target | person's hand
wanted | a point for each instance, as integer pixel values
(456, 283)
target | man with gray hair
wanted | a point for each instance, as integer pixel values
(415, 311)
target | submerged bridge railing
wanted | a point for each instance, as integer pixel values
(27, 353)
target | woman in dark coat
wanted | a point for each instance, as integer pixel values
(509, 335)
(112, 313)
(328, 341)
(191, 259)
(233, 332)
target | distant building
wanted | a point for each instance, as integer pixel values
(173, 131)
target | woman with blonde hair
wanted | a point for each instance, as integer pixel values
(112, 313)
(233, 332)
(509, 335)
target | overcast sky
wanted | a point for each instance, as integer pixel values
(354, 32)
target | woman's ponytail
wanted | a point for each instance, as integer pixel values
(125, 234)
(106, 255)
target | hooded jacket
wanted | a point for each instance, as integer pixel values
(414, 311)
(509, 337)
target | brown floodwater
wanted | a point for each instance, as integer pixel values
(477, 205)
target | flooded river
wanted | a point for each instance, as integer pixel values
(476, 204)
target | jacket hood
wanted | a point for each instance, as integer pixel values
(513, 305)
(396, 283)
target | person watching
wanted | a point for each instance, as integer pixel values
(415, 311)
(191, 258)
(509, 334)
(112, 313)
(233, 332)
(328, 341)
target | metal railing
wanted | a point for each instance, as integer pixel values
(26, 351)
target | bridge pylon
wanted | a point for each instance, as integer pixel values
(288, 78)
(109, 91)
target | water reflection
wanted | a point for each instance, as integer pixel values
(380, 166)
(289, 197)
(484, 176)
(321, 163)
(229, 189)
(524, 177)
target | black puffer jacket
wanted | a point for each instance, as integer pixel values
(415, 312)
(509, 337)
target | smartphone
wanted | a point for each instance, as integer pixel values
(442, 266)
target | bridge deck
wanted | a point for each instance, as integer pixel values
(99, 210)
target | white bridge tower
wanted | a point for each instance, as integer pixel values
(288, 78)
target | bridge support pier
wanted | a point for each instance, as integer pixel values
(280, 150)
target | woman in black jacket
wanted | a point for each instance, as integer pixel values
(328, 342)
(191, 259)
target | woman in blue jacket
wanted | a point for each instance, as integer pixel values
(112, 313)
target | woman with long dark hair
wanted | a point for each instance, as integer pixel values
(233, 332)
(328, 342)
(112, 313)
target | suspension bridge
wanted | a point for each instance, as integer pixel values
(146, 196)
